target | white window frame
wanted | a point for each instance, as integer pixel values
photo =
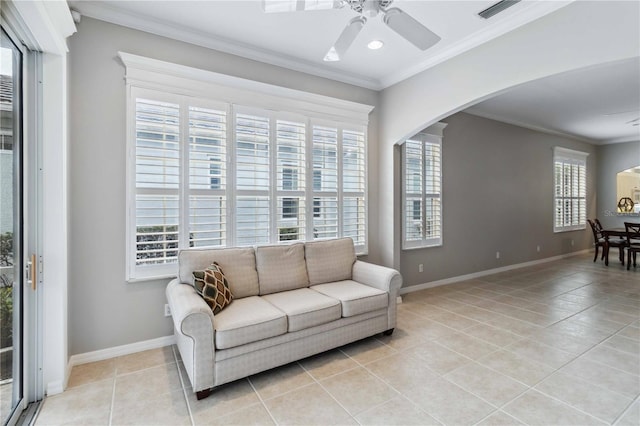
(571, 157)
(193, 87)
(431, 135)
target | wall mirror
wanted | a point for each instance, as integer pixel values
(628, 189)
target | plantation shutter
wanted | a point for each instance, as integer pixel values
(353, 186)
(157, 180)
(570, 189)
(290, 175)
(325, 182)
(252, 217)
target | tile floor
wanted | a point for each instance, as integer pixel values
(554, 344)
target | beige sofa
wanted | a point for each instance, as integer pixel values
(290, 302)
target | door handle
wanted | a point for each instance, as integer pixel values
(31, 271)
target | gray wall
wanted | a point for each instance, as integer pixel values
(104, 310)
(497, 196)
(611, 160)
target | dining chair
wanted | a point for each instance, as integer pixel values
(598, 239)
(633, 242)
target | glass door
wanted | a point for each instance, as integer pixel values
(11, 231)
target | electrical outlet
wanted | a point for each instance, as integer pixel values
(572, 243)
(167, 310)
(538, 249)
(497, 255)
(421, 268)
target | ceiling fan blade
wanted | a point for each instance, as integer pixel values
(345, 40)
(412, 30)
(275, 6)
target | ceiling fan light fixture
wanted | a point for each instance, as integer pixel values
(370, 8)
(375, 44)
(410, 29)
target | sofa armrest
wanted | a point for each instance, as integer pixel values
(193, 328)
(382, 278)
(377, 276)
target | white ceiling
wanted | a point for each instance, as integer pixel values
(300, 40)
(595, 105)
(599, 104)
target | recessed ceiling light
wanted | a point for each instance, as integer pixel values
(375, 44)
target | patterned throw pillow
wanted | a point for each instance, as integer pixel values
(212, 285)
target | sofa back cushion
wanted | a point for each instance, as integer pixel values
(238, 264)
(281, 268)
(330, 260)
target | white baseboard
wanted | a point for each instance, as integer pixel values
(116, 351)
(54, 388)
(479, 274)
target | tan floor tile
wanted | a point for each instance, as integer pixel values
(403, 338)
(468, 346)
(594, 400)
(227, 398)
(91, 372)
(603, 375)
(442, 400)
(500, 418)
(402, 371)
(630, 333)
(534, 408)
(438, 358)
(84, 405)
(455, 321)
(358, 390)
(432, 330)
(368, 350)
(138, 385)
(154, 409)
(255, 414)
(309, 405)
(623, 344)
(562, 341)
(327, 364)
(146, 359)
(517, 367)
(513, 325)
(397, 412)
(631, 417)
(580, 331)
(620, 360)
(489, 385)
(541, 353)
(277, 381)
(492, 335)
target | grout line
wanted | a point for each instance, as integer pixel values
(626, 410)
(184, 390)
(262, 400)
(113, 397)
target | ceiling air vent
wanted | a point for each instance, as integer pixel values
(497, 8)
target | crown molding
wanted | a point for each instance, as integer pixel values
(533, 127)
(106, 13)
(522, 14)
(527, 12)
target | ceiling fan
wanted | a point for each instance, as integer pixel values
(400, 22)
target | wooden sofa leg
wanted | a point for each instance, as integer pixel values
(203, 393)
(388, 332)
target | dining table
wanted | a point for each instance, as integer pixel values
(613, 232)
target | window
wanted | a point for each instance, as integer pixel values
(205, 173)
(570, 189)
(422, 189)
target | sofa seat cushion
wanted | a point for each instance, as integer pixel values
(355, 298)
(305, 308)
(248, 320)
